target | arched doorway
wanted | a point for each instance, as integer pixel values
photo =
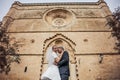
(69, 45)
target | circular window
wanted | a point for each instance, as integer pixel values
(58, 22)
(59, 17)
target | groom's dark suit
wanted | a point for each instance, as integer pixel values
(64, 66)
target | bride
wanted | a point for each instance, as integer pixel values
(52, 71)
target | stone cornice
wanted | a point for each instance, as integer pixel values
(52, 4)
(79, 31)
(57, 4)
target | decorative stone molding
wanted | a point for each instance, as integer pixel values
(61, 3)
(17, 3)
(62, 41)
(59, 17)
(58, 36)
(67, 3)
(101, 1)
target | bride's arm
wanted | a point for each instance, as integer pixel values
(58, 58)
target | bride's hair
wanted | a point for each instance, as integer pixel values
(53, 46)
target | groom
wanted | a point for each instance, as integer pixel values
(63, 64)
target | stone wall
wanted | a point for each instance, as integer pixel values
(82, 30)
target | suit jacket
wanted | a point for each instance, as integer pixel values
(64, 64)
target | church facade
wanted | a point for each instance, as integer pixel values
(79, 27)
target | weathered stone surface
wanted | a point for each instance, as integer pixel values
(79, 27)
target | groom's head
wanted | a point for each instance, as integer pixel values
(60, 49)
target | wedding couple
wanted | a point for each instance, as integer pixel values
(58, 64)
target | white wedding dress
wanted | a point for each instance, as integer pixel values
(52, 71)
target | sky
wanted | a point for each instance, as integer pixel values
(6, 4)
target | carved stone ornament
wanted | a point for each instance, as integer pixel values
(59, 17)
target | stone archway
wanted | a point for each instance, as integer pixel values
(68, 44)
